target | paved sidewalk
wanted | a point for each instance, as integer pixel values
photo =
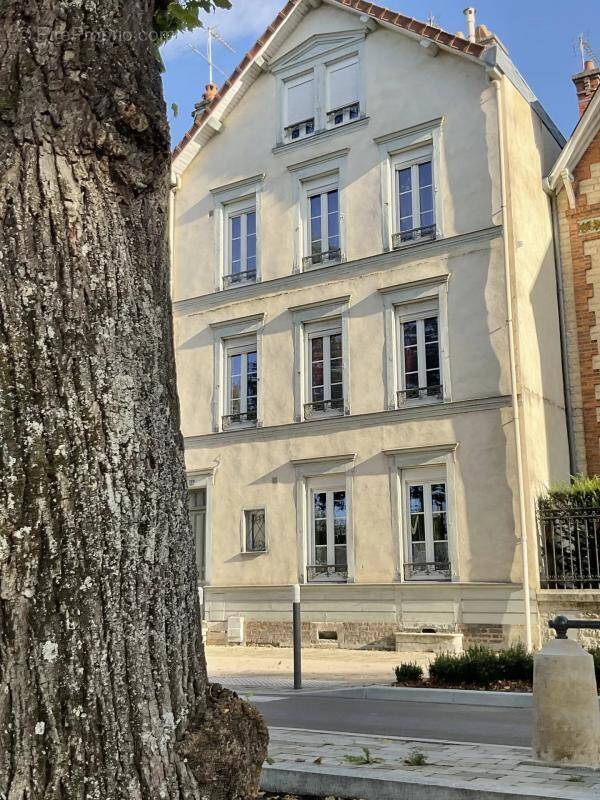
(313, 762)
(250, 666)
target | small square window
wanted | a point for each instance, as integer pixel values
(255, 531)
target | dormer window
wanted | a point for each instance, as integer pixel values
(343, 91)
(299, 106)
(320, 86)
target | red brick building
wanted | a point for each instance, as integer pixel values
(574, 186)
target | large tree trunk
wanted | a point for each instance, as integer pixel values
(103, 686)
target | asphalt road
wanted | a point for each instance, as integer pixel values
(331, 711)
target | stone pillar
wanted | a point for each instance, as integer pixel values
(566, 721)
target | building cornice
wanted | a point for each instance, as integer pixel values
(345, 423)
(451, 245)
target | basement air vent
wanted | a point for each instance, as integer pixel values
(328, 635)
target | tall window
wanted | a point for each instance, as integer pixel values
(241, 247)
(323, 226)
(325, 371)
(299, 107)
(419, 355)
(197, 510)
(242, 384)
(427, 544)
(328, 535)
(415, 217)
(343, 91)
(254, 531)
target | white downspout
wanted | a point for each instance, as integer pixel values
(175, 185)
(497, 77)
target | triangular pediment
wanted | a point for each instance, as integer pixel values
(316, 47)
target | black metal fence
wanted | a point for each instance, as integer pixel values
(569, 547)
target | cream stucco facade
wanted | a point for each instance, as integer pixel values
(364, 459)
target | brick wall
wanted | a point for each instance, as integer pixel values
(580, 252)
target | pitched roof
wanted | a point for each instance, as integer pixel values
(579, 141)
(379, 13)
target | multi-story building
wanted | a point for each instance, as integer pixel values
(367, 332)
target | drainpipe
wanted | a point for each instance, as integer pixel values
(496, 77)
(563, 334)
(175, 184)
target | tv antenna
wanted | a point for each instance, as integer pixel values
(212, 33)
(583, 46)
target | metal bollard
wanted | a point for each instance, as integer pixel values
(297, 626)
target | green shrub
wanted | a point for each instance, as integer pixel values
(408, 673)
(582, 491)
(595, 652)
(516, 664)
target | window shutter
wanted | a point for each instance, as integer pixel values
(343, 84)
(300, 100)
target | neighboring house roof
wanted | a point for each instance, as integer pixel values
(581, 138)
(255, 61)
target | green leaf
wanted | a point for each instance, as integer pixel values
(175, 109)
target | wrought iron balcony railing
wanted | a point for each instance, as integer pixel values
(325, 257)
(300, 129)
(428, 570)
(239, 277)
(246, 418)
(343, 114)
(323, 406)
(422, 393)
(569, 543)
(327, 572)
(426, 233)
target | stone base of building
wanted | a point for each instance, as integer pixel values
(576, 604)
(363, 617)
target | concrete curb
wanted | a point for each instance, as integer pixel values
(465, 697)
(338, 783)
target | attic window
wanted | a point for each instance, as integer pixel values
(343, 91)
(299, 106)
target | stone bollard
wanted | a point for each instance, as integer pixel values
(566, 717)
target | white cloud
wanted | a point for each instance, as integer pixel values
(247, 19)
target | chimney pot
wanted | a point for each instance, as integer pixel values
(469, 13)
(586, 84)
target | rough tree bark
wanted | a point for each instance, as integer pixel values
(103, 685)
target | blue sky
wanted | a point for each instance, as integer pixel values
(539, 35)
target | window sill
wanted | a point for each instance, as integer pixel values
(253, 552)
(425, 401)
(323, 264)
(234, 284)
(237, 426)
(317, 136)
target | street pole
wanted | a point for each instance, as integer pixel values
(297, 625)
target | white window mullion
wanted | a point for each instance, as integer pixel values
(324, 223)
(244, 384)
(330, 529)
(421, 353)
(416, 196)
(428, 523)
(244, 242)
(327, 367)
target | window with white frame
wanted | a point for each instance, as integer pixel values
(241, 369)
(322, 222)
(197, 509)
(418, 353)
(240, 247)
(414, 207)
(426, 524)
(328, 518)
(324, 369)
(255, 530)
(299, 106)
(343, 91)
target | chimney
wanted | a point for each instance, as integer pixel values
(211, 90)
(586, 83)
(469, 13)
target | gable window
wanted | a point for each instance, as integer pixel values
(241, 245)
(328, 546)
(427, 554)
(242, 383)
(254, 531)
(414, 203)
(325, 369)
(343, 91)
(419, 373)
(299, 106)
